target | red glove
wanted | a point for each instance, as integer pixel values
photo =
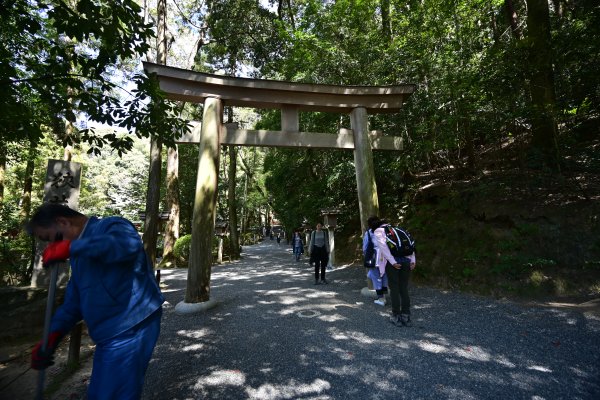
(56, 251)
(42, 359)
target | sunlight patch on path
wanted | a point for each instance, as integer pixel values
(221, 378)
(292, 390)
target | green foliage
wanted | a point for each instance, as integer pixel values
(248, 239)
(181, 250)
(112, 185)
(243, 33)
(516, 266)
(188, 156)
(300, 188)
(15, 248)
(56, 67)
(509, 244)
(15, 260)
(527, 229)
(592, 265)
(468, 272)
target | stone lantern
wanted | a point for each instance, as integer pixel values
(220, 232)
(330, 217)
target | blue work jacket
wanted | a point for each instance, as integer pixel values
(112, 286)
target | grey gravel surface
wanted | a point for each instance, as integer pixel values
(275, 335)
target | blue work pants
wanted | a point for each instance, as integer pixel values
(120, 363)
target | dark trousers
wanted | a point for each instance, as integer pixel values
(398, 286)
(320, 258)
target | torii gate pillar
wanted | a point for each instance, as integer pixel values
(205, 200)
(363, 162)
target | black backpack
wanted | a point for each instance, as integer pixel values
(399, 241)
(370, 254)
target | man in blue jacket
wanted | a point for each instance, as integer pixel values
(112, 288)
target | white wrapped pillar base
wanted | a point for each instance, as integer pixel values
(194, 308)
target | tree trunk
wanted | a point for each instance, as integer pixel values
(244, 213)
(2, 170)
(161, 38)
(151, 223)
(232, 205)
(203, 219)
(69, 129)
(386, 26)
(559, 8)
(171, 233)
(469, 145)
(149, 55)
(150, 236)
(511, 15)
(28, 183)
(543, 123)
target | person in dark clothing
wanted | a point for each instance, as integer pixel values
(319, 252)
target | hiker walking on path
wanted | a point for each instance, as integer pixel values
(397, 270)
(319, 252)
(380, 283)
(297, 245)
(112, 288)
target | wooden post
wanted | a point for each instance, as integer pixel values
(203, 219)
(331, 236)
(75, 345)
(289, 119)
(220, 250)
(363, 161)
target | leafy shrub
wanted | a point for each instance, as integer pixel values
(15, 247)
(468, 272)
(15, 258)
(181, 250)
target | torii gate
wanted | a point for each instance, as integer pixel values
(216, 91)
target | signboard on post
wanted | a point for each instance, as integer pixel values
(63, 180)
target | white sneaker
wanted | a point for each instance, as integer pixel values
(381, 302)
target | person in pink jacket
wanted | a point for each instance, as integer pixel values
(398, 273)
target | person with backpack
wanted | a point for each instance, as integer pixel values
(319, 252)
(380, 283)
(396, 259)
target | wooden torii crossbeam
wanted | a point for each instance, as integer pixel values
(186, 85)
(231, 135)
(216, 91)
(290, 98)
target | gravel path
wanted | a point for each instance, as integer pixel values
(275, 335)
